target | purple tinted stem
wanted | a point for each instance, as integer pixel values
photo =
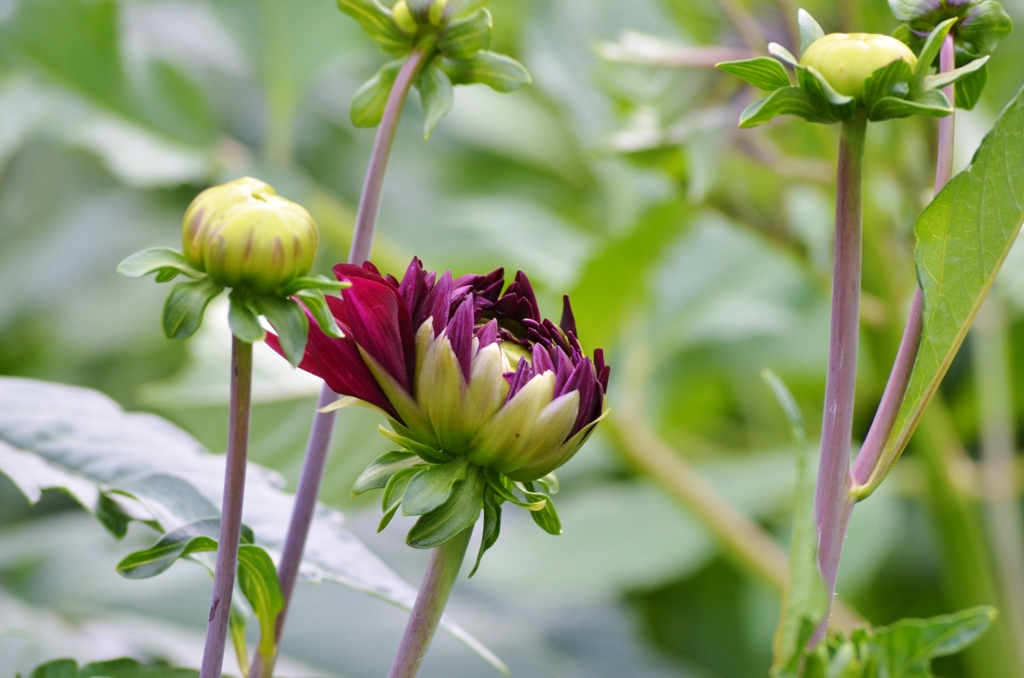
(832, 501)
(231, 510)
(445, 562)
(896, 388)
(373, 187)
(315, 461)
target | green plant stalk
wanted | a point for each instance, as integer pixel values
(315, 461)
(832, 501)
(990, 352)
(231, 511)
(445, 563)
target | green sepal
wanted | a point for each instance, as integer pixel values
(460, 8)
(809, 29)
(394, 492)
(933, 103)
(316, 304)
(492, 526)
(243, 318)
(892, 80)
(379, 25)
(504, 489)
(782, 54)
(167, 263)
(834, 106)
(547, 517)
(499, 72)
(369, 101)
(969, 88)
(940, 80)
(420, 9)
(549, 483)
(289, 320)
(424, 452)
(197, 537)
(185, 306)
(380, 470)
(462, 38)
(981, 35)
(459, 513)
(318, 283)
(257, 578)
(930, 50)
(783, 101)
(762, 72)
(437, 95)
(432, 486)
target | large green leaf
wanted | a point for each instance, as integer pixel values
(148, 469)
(907, 647)
(117, 668)
(962, 239)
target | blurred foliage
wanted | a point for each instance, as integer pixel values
(705, 249)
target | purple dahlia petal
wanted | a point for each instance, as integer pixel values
(522, 375)
(568, 321)
(487, 334)
(380, 322)
(436, 304)
(563, 371)
(542, 360)
(460, 334)
(413, 286)
(602, 369)
(584, 380)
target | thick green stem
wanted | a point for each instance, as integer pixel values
(445, 563)
(231, 510)
(832, 501)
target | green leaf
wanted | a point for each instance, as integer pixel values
(437, 96)
(907, 647)
(369, 101)
(547, 518)
(459, 513)
(931, 48)
(237, 621)
(424, 452)
(761, 72)
(185, 306)
(291, 323)
(432, 486)
(463, 38)
(497, 71)
(962, 239)
(257, 578)
(783, 54)
(504, 489)
(380, 470)
(164, 261)
(809, 29)
(904, 10)
(941, 80)
(316, 304)
(785, 101)
(836, 106)
(198, 537)
(968, 89)
(379, 25)
(243, 318)
(933, 103)
(804, 602)
(394, 492)
(117, 668)
(892, 80)
(492, 526)
(80, 433)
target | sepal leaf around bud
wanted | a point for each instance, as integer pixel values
(839, 74)
(456, 35)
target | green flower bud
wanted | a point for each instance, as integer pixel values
(846, 61)
(243, 234)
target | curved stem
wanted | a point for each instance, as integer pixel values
(369, 202)
(315, 461)
(231, 511)
(832, 501)
(445, 562)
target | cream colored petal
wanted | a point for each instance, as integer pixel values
(546, 436)
(513, 421)
(545, 464)
(443, 396)
(414, 417)
(424, 338)
(487, 386)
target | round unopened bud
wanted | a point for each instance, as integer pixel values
(243, 234)
(403, 17)
(847, 60)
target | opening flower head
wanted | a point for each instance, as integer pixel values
(486, 398)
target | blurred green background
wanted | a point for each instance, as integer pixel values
(695, 254)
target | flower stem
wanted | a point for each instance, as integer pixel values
(832, 500)
(369, 202)
(231, 511)
(445, 562)
(315, 460)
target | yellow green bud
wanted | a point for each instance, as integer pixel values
(404, 18)
(243, 234)
(846, 61)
